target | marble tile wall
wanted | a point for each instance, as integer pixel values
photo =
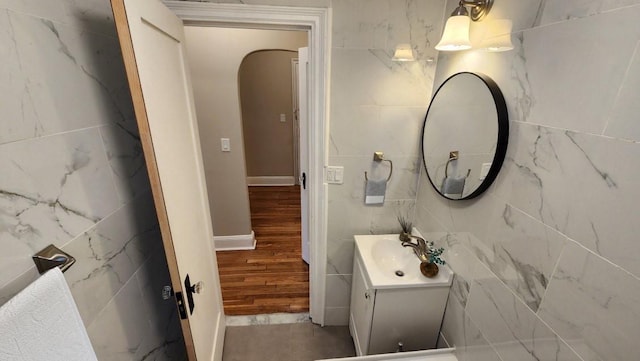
(376, 105)
(547, 261)
(73, 175)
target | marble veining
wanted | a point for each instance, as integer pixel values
(460, 332)
(524, 96)
(584, 305)
(19, 102)
(90, 15)
(163, 340)
(43, 200)
(338, 290)
(126, 160)
(559, 10)
(535, 181)
(73, 174)
(464, 264)
(106, 333)
(556, 230)
(513, 329)
(109, 254)
(583, 109)
(86, 63)
(62, 46)
(340, 256)
(524, 270)
(621, 123)
(606, 177)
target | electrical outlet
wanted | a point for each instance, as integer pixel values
(283, 118)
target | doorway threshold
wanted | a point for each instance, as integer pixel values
(268, 319)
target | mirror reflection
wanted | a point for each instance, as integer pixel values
(464, 136)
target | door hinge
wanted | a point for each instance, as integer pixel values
(181, 309)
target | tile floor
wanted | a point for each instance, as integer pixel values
(287, 342)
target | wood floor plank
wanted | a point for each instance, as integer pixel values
(272, 278)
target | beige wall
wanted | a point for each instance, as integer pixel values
(214, 56)
(265, 93)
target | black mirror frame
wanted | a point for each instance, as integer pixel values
(501, 142)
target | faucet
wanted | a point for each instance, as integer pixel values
(420, 248)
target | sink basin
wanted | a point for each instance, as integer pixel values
(389, 265)
(391, 258)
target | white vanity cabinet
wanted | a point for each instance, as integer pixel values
(384, 314)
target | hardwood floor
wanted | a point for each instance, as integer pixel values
(273, 277)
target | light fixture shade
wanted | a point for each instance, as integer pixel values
(497, 36)
(403, 52)
(456, 34)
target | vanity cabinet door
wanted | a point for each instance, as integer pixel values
(411, 316)
(362, 302)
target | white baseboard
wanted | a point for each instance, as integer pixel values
(235, 243)
(271, 181)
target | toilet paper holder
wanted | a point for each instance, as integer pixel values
(51, 257)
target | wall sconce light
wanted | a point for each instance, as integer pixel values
(455, 36)
(403, 52)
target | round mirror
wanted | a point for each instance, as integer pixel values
(464, 137)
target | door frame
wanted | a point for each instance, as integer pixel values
(296, 120)
(317, 22)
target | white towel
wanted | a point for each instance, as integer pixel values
(42, 323)
(374, 192)
(453, 187)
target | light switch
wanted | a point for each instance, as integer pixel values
(335, 175)
(484, 171)
(283, 118)
(225, 144)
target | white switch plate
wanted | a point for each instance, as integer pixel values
(225, 144)
(334, 175)
(283, 118)
(484, 171)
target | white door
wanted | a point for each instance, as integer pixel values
(152, 41)
(303, 121)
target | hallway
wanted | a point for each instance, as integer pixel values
(272, 278)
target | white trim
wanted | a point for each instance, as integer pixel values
(235, 243)
(295, 63)
(318, 22)
(271, 181)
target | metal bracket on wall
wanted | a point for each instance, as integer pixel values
(379, 157)
(453, 155)
(51, 257)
